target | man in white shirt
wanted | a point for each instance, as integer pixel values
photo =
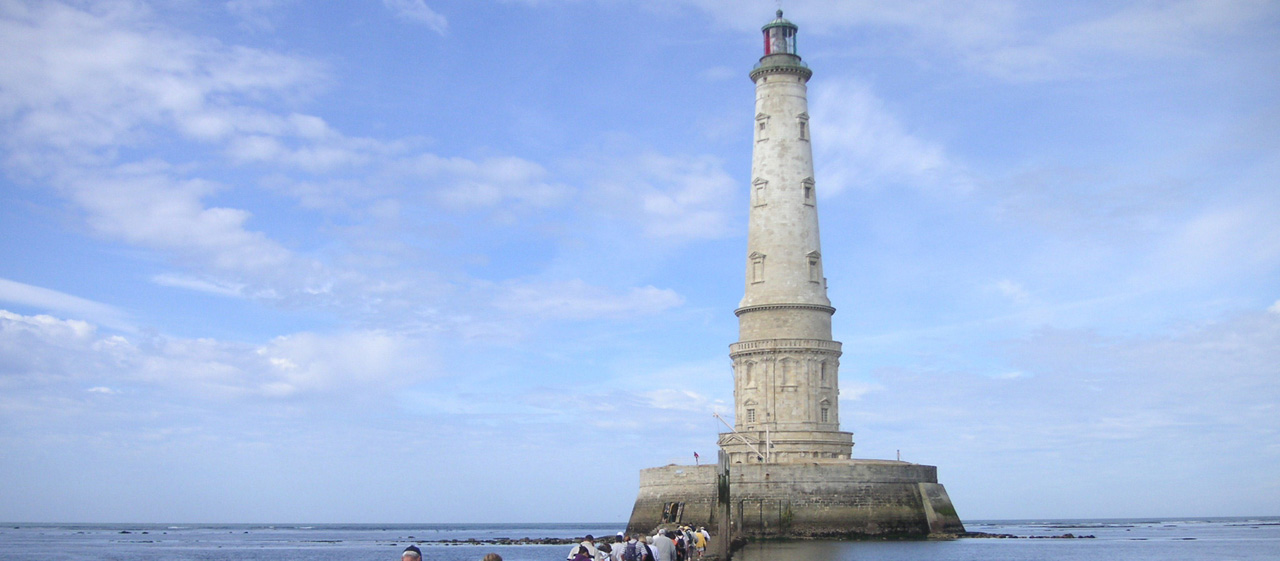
(664, 548)
(588, 543)
(619, 547)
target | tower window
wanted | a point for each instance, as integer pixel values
(751, 415)
(815, 267)
(825, 415)
(804, 126)
(759, 191)
(757, 267)
(808, 191)
(762, 127)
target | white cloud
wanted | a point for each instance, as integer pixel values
(52, 300)
(1275, 308)
(85, 79)
(102, 390)
(860, 144)
(1075, 388)
(255, 14)
(1214, 244)
(305, 142)
(309, 362)
(1012, 39)
(199, 285)
(677, 198)
(576, 299)
(1014, 291)
(341, 365)
(417, 11)
(721, 73)
(464, 184)
(689, 387)
(1159, 29)
(81, 84)
(686, 197)
(46, 327)
(855, 390)
(147, 206)
(84, 83)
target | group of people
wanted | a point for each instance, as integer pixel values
(678, 544)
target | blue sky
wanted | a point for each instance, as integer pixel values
(467, 261)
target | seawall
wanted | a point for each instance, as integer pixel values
(832, 498)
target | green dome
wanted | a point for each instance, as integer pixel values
(779, 22)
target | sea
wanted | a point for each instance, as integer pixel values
(1163, 539)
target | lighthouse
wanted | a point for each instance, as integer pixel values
(786, 469)
(785, 364)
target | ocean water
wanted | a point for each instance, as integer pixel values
(1214, 539)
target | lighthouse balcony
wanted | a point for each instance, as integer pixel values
(766, 345)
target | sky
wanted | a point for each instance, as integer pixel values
(431, 261)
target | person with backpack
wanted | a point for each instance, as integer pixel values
(631, 550)
(649, 553)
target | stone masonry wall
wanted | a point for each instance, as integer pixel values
(857, 498)
(693, 487)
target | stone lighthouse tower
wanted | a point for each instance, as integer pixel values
(785, 363)
(786, 470)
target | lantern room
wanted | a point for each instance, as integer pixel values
(779, 37)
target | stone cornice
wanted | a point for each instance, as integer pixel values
(773, 345)
(797, 69)
(762, 307)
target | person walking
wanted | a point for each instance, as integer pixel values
(588, 546)
(664, 548)
(619, 547)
